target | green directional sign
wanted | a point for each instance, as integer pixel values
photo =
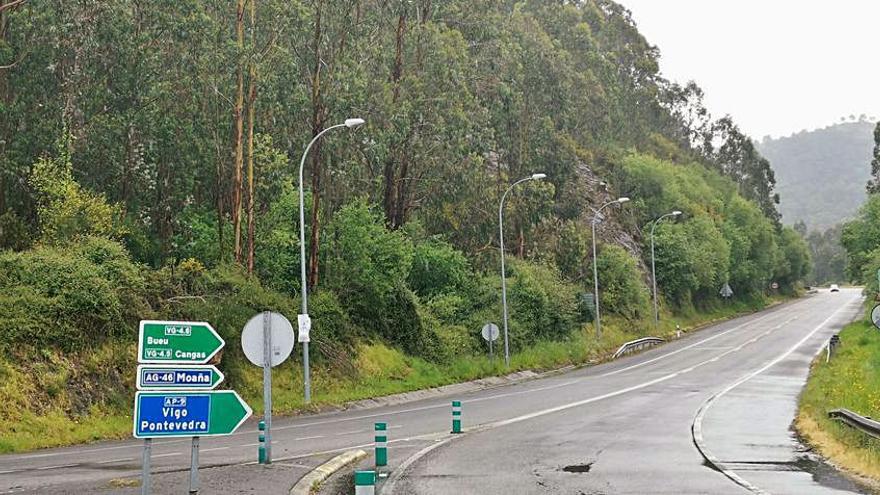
(177, 342)
(188, 413)
(178, 377)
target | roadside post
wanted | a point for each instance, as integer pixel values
(267, 341)
(364, 482)
(194, 466)
(145, 466)
(381, 439)
(490, 334)
(456, 416)
(261, 452)
(176, 396)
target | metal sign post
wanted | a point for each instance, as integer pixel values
(194, 467)
(490, 334)
(267, 382)
(145, 473)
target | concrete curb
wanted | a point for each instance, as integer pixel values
(321, 473)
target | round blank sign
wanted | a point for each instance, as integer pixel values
(282, 338)
(490, 331)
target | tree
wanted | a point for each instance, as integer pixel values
(874, 183)
(66, 211)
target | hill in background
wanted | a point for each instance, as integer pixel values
(821, 174)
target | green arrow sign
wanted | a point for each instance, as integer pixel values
(177, 342)
(188, 414)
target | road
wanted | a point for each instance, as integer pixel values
(628, 426)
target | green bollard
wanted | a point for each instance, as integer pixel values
(456, 416)
(364, 482)
(381, 439)
(261, 456)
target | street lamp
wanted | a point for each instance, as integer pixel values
(304, 317)
(653, 269)
(617, 201)
(503, 276)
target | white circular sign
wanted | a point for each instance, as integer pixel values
(281, 332)
(490, 331)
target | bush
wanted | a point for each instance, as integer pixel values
(69, 297)
(367, 266)
(14, 233)
(621, 288)
(438, 268)
(540, 304)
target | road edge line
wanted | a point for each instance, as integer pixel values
(697, 425)
(320, 474)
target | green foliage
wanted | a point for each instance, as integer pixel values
(365, 263)
(14, 233)
(861, 237)
(621, 288)
(794, 262)
(438, 268)
(542, 306)
(827, 255)
(69, 298)
(67, 212)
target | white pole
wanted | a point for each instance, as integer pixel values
(267, 383)
(653, 264)
(596, 263)
(503, 274)
(302, 249)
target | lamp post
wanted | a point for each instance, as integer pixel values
(653, 268)
(503, 275)
(351, 124)
(596, 261)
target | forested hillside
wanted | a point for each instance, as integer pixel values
(149, 156)
(821, 174)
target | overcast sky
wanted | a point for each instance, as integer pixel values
(776, 66)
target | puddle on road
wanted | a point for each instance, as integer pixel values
(578, 468)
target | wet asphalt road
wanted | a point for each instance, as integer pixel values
(636, 436)
(622, 427)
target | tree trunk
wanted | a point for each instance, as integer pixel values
(318, 116)
(4, 98)
(392, 197)
(252, 98)
(237, 114)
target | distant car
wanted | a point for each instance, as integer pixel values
(835, 288)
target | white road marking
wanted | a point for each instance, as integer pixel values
(691, 346)
(166, 455)
(697, 426)
(215, 448)
(389, 488)
(45, 468)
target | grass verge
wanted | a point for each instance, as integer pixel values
(32, 419)
(851, 380)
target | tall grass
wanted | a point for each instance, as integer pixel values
(851, 380)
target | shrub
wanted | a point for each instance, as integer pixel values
(540, 304)
(69, 297)
(14, 233)
(438, 268)
(620, 283)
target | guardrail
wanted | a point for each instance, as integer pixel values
(637, 345)
(864, 424)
